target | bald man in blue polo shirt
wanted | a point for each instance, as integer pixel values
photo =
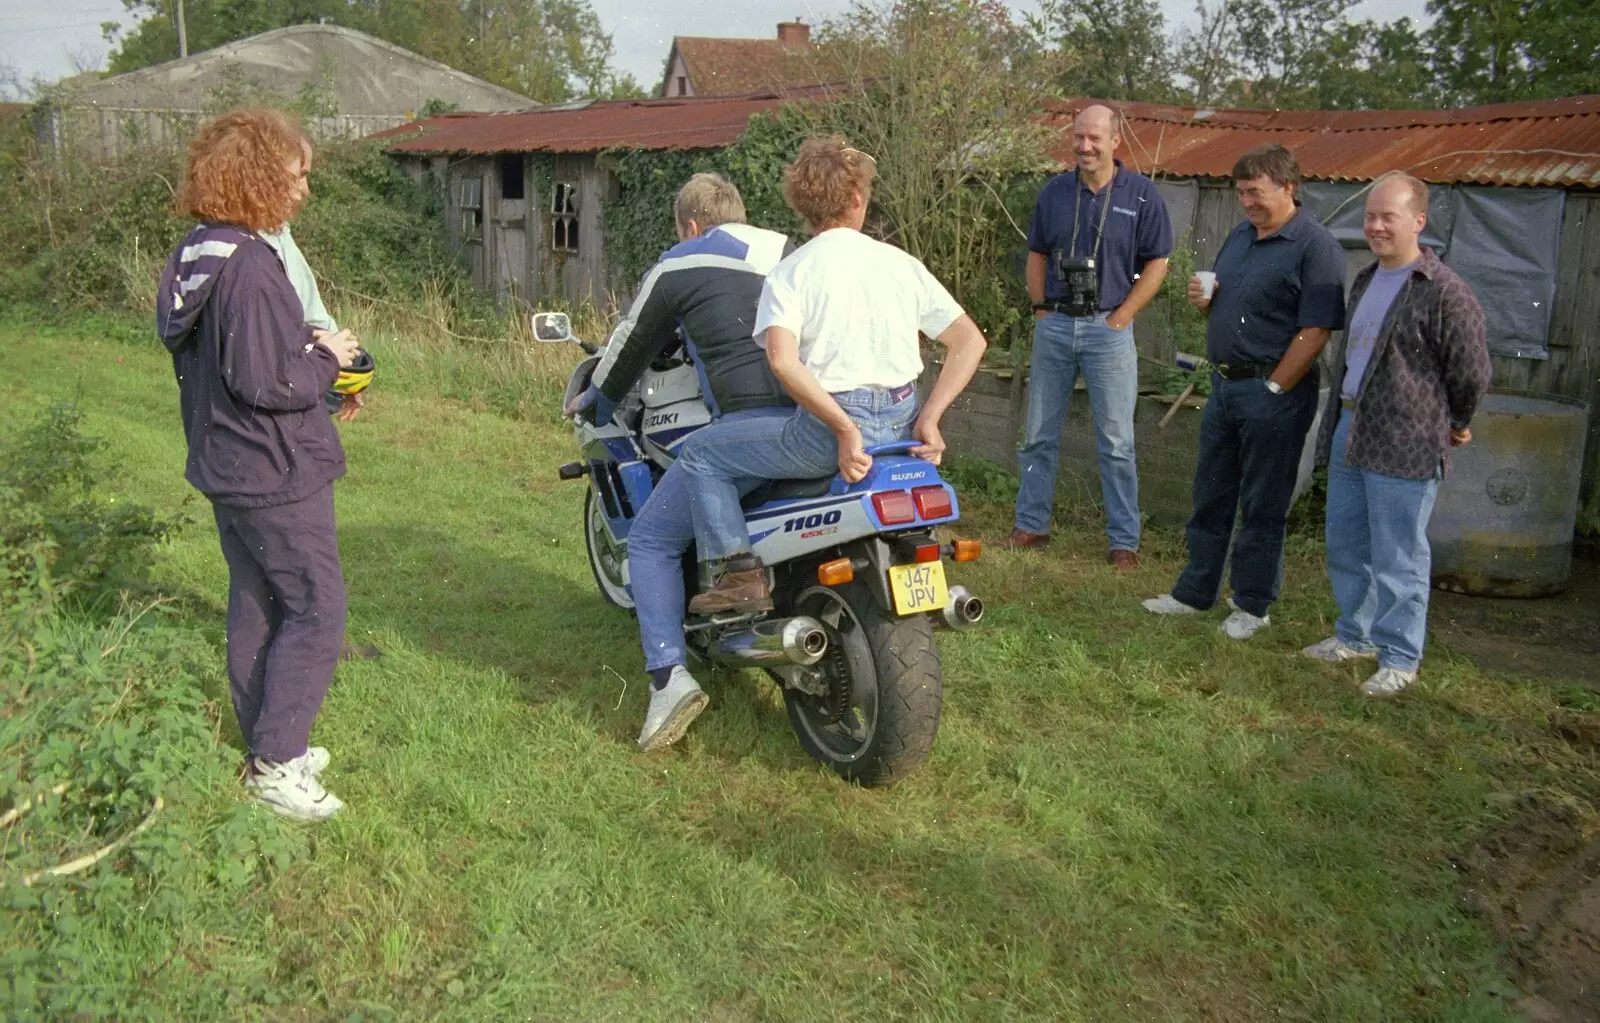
(1097, 253)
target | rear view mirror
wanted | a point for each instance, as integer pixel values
(552, 327)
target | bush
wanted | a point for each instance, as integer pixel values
(109, 761)
(56, 518)
(93, 238)
(980, 480)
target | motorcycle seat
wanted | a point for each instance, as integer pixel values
(785, 490)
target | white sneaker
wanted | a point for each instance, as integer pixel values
(1167, 604)
(1243, 624)
(1388, 682)
(317, 760)
(1334, 650)
(673, 709)
(290, 789)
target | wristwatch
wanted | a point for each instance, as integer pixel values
(1272, 385)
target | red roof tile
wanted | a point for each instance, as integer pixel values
(739, 67)
(1552, 143)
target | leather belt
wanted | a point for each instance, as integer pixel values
(1228, 372)
(1066, 310)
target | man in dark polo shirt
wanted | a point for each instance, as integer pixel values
(1279, 294)
(1097, 253)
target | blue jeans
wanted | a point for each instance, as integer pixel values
(660, 536)
(798, 447)
(1378, 557)
(1063, 347)
(1250, 444)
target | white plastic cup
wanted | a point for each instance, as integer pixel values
(1208, 283)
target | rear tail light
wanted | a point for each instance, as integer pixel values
(966, 550)
(894, 507)
(933, 502)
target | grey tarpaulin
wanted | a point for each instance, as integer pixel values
(1345, 202)
(1180, 197)
(1505, 243)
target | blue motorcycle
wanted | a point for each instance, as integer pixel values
(857, 572)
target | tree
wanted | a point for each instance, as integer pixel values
(1302, 54)
(211, 23)
(1494, 51)
(942, 93)
(12, 87)
(1285, 46)
(1120, 47)
(548, 50)
(1564, 48)
(1371, 66)
(1479, 48)
(1211, 55)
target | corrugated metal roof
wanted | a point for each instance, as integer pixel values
(1550, 143)
(629, 124)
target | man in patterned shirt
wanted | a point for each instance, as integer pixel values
(1415, 367)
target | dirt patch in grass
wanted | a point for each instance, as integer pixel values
(1536, 880)
(1554, 637)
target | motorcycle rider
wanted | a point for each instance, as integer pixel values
(707, 286)
(840, 321)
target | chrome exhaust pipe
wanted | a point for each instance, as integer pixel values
(772, 643)
(964, 610)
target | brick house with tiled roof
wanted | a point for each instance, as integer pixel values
(703, 66)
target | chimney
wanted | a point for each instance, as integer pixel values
(794, 33)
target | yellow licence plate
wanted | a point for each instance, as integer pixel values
(919, 588)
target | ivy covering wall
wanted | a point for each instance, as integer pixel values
(639, 226)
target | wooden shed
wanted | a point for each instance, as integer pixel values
(525, 191)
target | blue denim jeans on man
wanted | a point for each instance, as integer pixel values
(1250, 446)
(1063, 347)
(797, 447)
(660, 537)
(1379, 560)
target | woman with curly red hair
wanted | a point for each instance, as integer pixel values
(251, 379)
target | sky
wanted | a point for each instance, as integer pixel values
(52, 38)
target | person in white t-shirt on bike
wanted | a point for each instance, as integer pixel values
(839, 319)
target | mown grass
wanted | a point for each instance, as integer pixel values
(1124, 817)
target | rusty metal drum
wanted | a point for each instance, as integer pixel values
(1503, 522)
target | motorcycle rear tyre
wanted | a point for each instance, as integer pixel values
(908, 680)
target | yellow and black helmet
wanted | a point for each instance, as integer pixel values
(357, 376)
(351, 380)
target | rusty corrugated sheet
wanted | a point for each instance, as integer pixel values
(586, 127)
(1550, 143)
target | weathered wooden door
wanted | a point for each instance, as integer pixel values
(509, 223)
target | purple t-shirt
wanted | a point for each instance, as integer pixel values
(1367, 322)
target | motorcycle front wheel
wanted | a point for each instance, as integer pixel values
(604, 561)
(878, 720)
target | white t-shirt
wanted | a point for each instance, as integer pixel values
(856, 305)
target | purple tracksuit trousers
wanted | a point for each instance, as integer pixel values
(286, 618)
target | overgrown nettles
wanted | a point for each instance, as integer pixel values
(109, 752)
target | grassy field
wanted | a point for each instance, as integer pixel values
(1123, 818)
